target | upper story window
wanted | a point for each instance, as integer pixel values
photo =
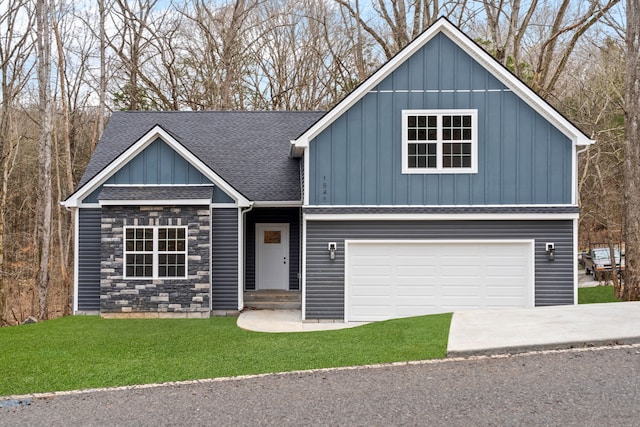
(155, 252)
(439, 141)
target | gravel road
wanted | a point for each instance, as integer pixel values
(587, 387)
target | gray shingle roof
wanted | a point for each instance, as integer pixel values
(248, 149)
(178, 192)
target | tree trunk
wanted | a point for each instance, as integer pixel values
(43, 232)
(632, 155)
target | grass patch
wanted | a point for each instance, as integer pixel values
(596, 294)
(85, 351)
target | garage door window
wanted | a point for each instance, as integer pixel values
(437, 141)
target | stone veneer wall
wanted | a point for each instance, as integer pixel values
(189, 297)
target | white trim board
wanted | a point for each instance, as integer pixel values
(557, 205)
(168, 202)
(439, 217)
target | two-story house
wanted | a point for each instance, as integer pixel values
(441, 183)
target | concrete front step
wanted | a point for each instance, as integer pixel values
(273, 300)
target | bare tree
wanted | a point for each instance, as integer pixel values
(15, 51)
(631, 291)
(102, 92)
(133, 20)
(402, 20)
(45, 113)
(547, 34)
(217, 53)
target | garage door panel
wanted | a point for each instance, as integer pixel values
(505, 291)
(373, 291)
(461, 291)
(415, 292)
(408, 278)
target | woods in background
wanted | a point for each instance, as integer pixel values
(66, 64)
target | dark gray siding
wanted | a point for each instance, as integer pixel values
(224, 259)
(273, 215)
(325, 278)
(89, 260)
(522, 158)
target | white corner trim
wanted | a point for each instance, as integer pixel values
(137, 148)
(76, 257)
(442, 25)
(575, 261)
(303, 283)
(306, 176)
(241, 275)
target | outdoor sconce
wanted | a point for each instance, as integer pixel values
(332, 250)
(551, 252)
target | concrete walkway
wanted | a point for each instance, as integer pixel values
(497, 331)
(285, 321)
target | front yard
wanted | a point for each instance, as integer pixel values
(86, 352)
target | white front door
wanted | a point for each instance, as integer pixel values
(272, 256)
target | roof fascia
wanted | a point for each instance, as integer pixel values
(137, 148)
(168, 202)
(487, 61)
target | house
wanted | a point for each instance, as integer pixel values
(440, 183)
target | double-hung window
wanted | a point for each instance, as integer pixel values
(155, 252)
(439, 141)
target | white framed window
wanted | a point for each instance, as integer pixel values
(439, 141)
(155, 252)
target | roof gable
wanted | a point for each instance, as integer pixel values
(135, 151)
(158, 163)
(442, 27)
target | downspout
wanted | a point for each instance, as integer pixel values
(76, 252)
(242, 255)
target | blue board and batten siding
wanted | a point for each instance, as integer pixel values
(325, 277)
(224, 259)
(89, 238)
(522, 158)
(159, 164)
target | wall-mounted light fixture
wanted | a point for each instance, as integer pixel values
(332, 250)
(551, 251)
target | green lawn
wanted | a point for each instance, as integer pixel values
(596, 294)
(86, 351)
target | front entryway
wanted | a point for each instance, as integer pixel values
(272, 256)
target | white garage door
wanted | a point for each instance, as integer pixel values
(391, 279)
